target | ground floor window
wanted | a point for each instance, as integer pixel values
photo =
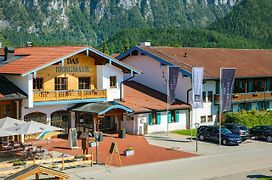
(173, 116)
(210, 118)
(154, 118)
(61, 119)
(36, 116)
(203, 119)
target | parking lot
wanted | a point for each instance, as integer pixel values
(184, 143)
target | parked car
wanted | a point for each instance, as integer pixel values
(211, 133)
(262, 132)
(238, 129)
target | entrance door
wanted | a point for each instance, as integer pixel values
(107, 124)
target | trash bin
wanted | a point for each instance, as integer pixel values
(122, 133)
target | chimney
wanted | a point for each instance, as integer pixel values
(145, 44)
(29, 44)
(9, 53)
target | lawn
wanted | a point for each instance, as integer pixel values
(186, 132)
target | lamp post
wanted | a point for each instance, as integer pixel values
(197, 126)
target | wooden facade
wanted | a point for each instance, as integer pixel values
(69, 73)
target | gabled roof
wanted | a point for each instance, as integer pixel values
(141, 99)
(249, 63)
(36, 58)
(9, 91)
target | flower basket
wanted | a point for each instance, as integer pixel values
(93, 144)
(129, 151)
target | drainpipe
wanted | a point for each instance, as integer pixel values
(121, 86)
(188, 103)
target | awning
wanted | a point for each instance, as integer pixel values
(100, 108)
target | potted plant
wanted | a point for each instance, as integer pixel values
(19, 163)
(256, 94)
(129, 151)
(92, 143)
(122, 133)
(80, 157)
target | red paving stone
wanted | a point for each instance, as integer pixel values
(143, 152)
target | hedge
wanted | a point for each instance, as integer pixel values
(250, 118)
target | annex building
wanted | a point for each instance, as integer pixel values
(253, 83)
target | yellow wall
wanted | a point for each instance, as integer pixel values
(49, 73)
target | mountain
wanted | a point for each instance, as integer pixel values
(248, 26)
(70, 22)
(251, 19)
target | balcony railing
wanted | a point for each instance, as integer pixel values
(68, 95)
(244, 97)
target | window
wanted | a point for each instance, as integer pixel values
(84, 82)
(203, 119)
(210, 118)
(210, 96)
(239, 86)
(38, 83)
(113, 82)
(204, 96)
(173, 116)
(61, 83)
(153, 118)
(269, 84)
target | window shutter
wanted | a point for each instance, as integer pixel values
(169, 117)
(177, 116)
(150, 119)
(159, 117)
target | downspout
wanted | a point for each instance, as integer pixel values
(121, 86)
(188, 103)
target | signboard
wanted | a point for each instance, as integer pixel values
(72, 138)
(227, 83)
(197, 78)
(72, 69)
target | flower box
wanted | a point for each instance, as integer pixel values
(129, 152)
(93, 144)
(235, 95)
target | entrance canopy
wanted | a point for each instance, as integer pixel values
(100, 108)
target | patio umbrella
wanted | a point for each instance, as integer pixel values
(9, 122)
(5, 133)
(32, 127)
(48, 134)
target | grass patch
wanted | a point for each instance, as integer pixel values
(186, 132)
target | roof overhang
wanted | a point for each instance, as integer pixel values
(100, 108)
(88, 50)
(159, 59)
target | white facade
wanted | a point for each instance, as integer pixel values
(155, 75)
(138, 123)
(104, 72)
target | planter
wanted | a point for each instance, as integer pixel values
(129, 152)
(93, 144)
(235, 95)
(122, 133)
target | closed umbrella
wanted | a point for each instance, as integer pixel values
(32, 127)
(9, 122)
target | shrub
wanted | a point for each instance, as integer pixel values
(250, 118)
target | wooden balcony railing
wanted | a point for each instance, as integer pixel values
(39, 96)
(244, 97)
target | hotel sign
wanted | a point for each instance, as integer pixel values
(72, 69)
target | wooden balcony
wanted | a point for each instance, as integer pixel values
(245, 97)
(40, 96)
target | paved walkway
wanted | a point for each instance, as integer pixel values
(144, 152)
(217, 163)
